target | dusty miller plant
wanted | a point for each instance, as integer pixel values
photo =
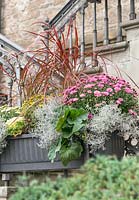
(3, 135)
(46, 117)
(110, 119)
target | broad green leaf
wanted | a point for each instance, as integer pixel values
(67, 131)
(71, 121)
(54, 149)
(74, 113)
(77, 127)
(62, 120)
(79, 123)
(71, 152)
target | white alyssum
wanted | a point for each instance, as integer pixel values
(108, 120)
(46, 117)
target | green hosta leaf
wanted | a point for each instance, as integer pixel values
(54, 149)
(71, 122)
(77, 127)
(75, 114)
(69, 153)
(67, 131)
(79, 123)
(62, 120)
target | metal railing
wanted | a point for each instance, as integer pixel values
(7, 47)
(0, 15)
(71, 9)
(68, 11)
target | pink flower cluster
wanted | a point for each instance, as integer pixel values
(132, 112)
(119, 101)
(94, 89)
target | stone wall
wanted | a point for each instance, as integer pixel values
(128, 61)
(19, 16)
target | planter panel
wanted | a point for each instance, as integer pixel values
(114, 146)
(23, 154)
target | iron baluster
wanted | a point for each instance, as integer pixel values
(132, 14)
(119, 13)
(82, 11)
(106, 24)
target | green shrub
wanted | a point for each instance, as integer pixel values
(102, 178)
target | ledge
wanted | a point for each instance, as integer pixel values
(93, 70)
(130, 24)
(22, 136)
(112, 48)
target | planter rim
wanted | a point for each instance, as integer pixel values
(23, 136)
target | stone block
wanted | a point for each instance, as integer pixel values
(132, 29)
(134, 49)
(3, 192)
(6, 192)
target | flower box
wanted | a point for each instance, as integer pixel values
(114, 146)
(23, 154)
(64, 108)
(98, 110)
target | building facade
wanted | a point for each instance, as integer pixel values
(17, 17)
(110, 28)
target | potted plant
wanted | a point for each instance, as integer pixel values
(45, 72)
(111, 104)
(63, 111)
(26, 135)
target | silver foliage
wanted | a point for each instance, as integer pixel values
(3, 135)
(107, 120)
(46, 117)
